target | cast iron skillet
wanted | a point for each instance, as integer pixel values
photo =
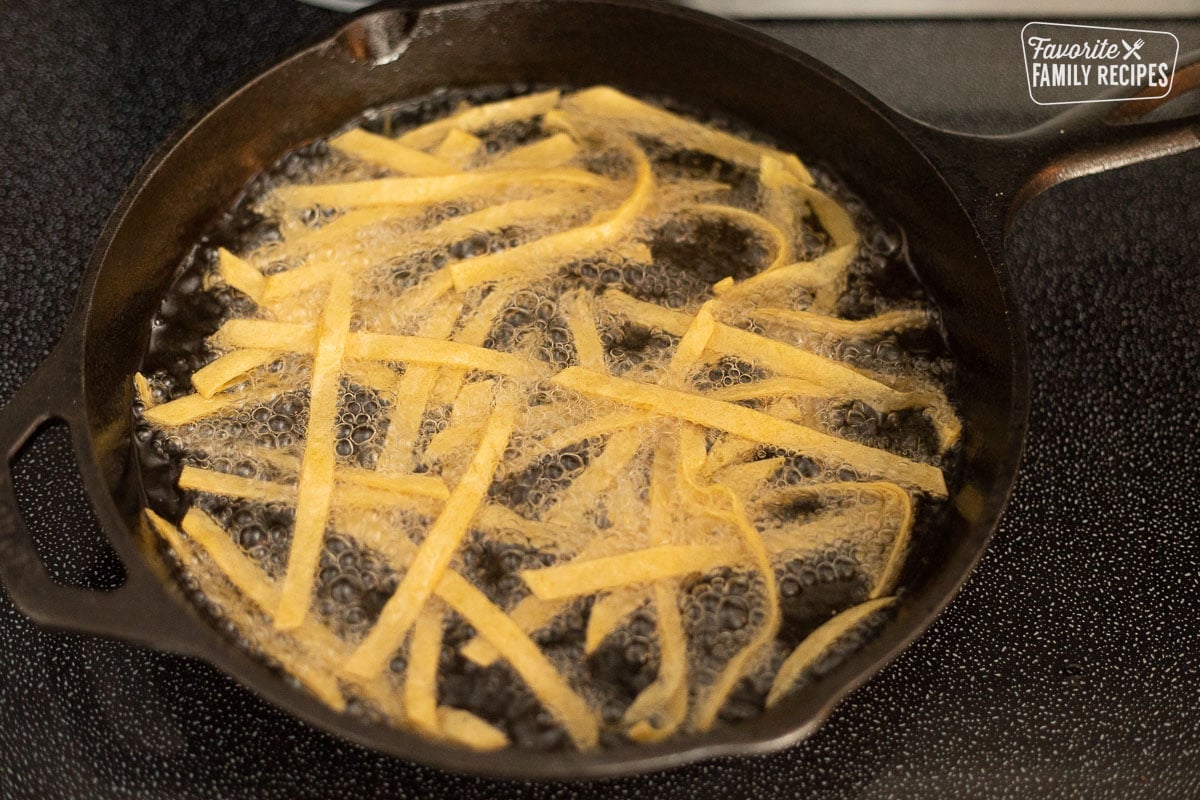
(951, 193)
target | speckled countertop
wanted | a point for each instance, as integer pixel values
(1068, 667)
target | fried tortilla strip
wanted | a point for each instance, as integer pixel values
(466, 729)
(425, 191)
(436, 550)
(781, 248)
(599, 474)
(459, 147)
(553, 151)
(315, 490)
(355, 486)
(532, 260)
(589, 350)
(772, 387)
(481, 117)
(745, 479)
(531, 614)
(577, 578)
(144, 393)
(609, 612)
(229, 369)
(832, 215)
(241, 275)
(474, 332)
(290, 337)
(192, 407)
(825, 276)
(390, 153)
(353, 252)
(608, 103)
(660, 708)
(597, 426)
(515, 647)
(372, 375)
(420, 485)
(225, 485)
(420, 677)
(754, 426)
(888, 322)
(415, 388)
(250, 581)
(348, 229)
(505, 524)
(466, 420)
(818, 642)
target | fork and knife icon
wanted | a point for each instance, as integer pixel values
(1132, 49)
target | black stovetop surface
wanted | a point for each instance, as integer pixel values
(1068, 667)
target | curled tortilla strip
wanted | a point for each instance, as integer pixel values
(754, 426)
(825, 276)
(546, 683)
(818, 642)
(534, 259)
(466, 729)
(229, 369)
(607, 103)
(241, 275)
(481, 117)
(577, 578)
(390, 153)
(459, 147)
(436, 189)
(553, 151)
(781, 247)
(420, 677)
(436, 550)
(314, 492)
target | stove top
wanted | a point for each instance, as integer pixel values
(1068, 666)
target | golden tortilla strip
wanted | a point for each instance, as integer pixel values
(546, 683)
(372, 375)
(348, 228)
(481, 117)
(467, 417)
(474, 331)
(315, 489)
(452, 438)
(553, 151)
(824, 276)
(589, 350)
(420, 676)
(781, 247)
(597, 476)
(755, 426)
(597, 426)
(832, 215)
(241, 275)
(660, 708)
(436, 550)
(896, 498)
(390, 153)
(531, 614)
(608, 103)
(500, 522)
(422, 485)
(532, 260)
(350, 252)
(610, 611)
(818, 642)
(459, 147)
(252, 583)
(141, 387)
(291, 337)
(225, 485)
(577, 578)
(229, 369)
(466, 729)
(744, 479)
(772, 387)
(192, 407)
(887, 322)
(428, 190)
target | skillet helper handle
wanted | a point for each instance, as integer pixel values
(140, 609)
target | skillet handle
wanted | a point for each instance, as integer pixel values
(140, 610)
(996, 176)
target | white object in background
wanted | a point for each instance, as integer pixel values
(1040, 9)
(340, 5)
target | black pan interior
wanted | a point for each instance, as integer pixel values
(702, 63)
